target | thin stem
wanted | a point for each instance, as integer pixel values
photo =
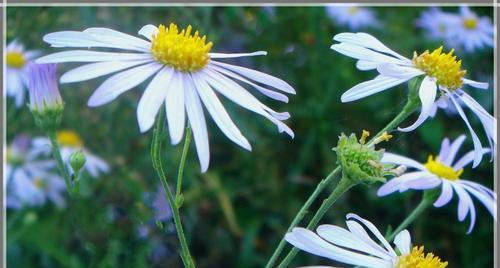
(408, 109)
(427, 200)
(185, 150)
(302, 212)
(56, 152)
(343, 186)
(158, 166)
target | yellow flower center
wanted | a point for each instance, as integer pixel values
(181, 50)
(418, 259)
(39, 183)
(352, 10)
(470, 23)
(15, 59)
(69, 138)
(444, 67)
(446, 172)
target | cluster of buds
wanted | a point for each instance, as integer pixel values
(46, 103)
(360, 161)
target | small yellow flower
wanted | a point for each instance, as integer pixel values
(435, 166)
(15, 59)
(418, 259)
(69, 138)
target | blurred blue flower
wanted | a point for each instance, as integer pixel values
(43, 88)
(353, 17)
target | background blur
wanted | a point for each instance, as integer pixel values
(236, 213)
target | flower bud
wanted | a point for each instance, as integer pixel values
(46, 103)
(77, 161)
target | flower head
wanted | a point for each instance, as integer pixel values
(441, 171)
(17, 59)
(44, 92)
(439, 72)
(353, 17)
(186, 77)
(355, 246)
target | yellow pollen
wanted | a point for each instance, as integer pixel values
(444, 67)
(39, 183)
(446, 172)
(15, 59)
(470, 23)
(181, 50)
(69, 138)
(418, 259)
(364, 135)
(352, 10)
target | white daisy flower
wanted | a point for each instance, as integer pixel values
(186, 78)
(442, 171)
(471, 31)
(71, 142)
(442, 73)
(353, 17)
(438, 25)
(17, 59)
(30, 181)
(356, 246)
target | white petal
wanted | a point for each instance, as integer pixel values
(408, 177)
(480, 85)
(445, 148)
(401, 160)
(148, 31)
(153, 98)
(91, 56)
(427, 94)
(218, 113)
(370, 87)
(373, 230)
(258, 77)
(111, 36)
(477, 144)
(452, 152)
(487, 200)
(390, 187)
(467, 158)
(397, 71)
(445, 196)
(489, 122)
(403, 242)
(364, 54)
(121, 82)
(197, 121)
(422, 183)
(236, 55)
(463, 201)
(175, 107)
(366, 40)
(93, 70)
(270, 93)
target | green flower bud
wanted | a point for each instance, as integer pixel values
(361, 162)
(77, 161)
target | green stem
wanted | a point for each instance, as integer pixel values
(158, 166)
(428, 199)
(56, 152)
(302, 212)
(408, 109)
(343, 186)
(185, 150)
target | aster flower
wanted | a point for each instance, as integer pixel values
(70, 142)
(441, 73)
(441, 171)
(44, 92)
(355, 246)
(471, 31)
(186, 78)
(17, 59)
(353, 17)
(438, 25)
(30, 181)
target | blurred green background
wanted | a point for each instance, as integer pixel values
(236, 213)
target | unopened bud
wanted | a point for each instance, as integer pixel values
(77, 161)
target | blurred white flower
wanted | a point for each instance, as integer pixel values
(355, 246)
(442, 73)
(43, 89)
(185, 78)
(71, 142)
(31, 181)
(463, 30)
(441, 171)
(353, 17)
(17, 59)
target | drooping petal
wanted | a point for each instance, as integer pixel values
(174, 105)
(370, 87)
(121, 82)
(427, 94)
(463, 201)
(403, 242)
(487, 200)
(90, 56)
(218, 113)
(153, 98)
(445, 196)
(488, 121)
(197, 121)
(93, 70)
(480, 85)
(401, 160)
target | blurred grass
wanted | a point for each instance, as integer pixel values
(236, 213)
